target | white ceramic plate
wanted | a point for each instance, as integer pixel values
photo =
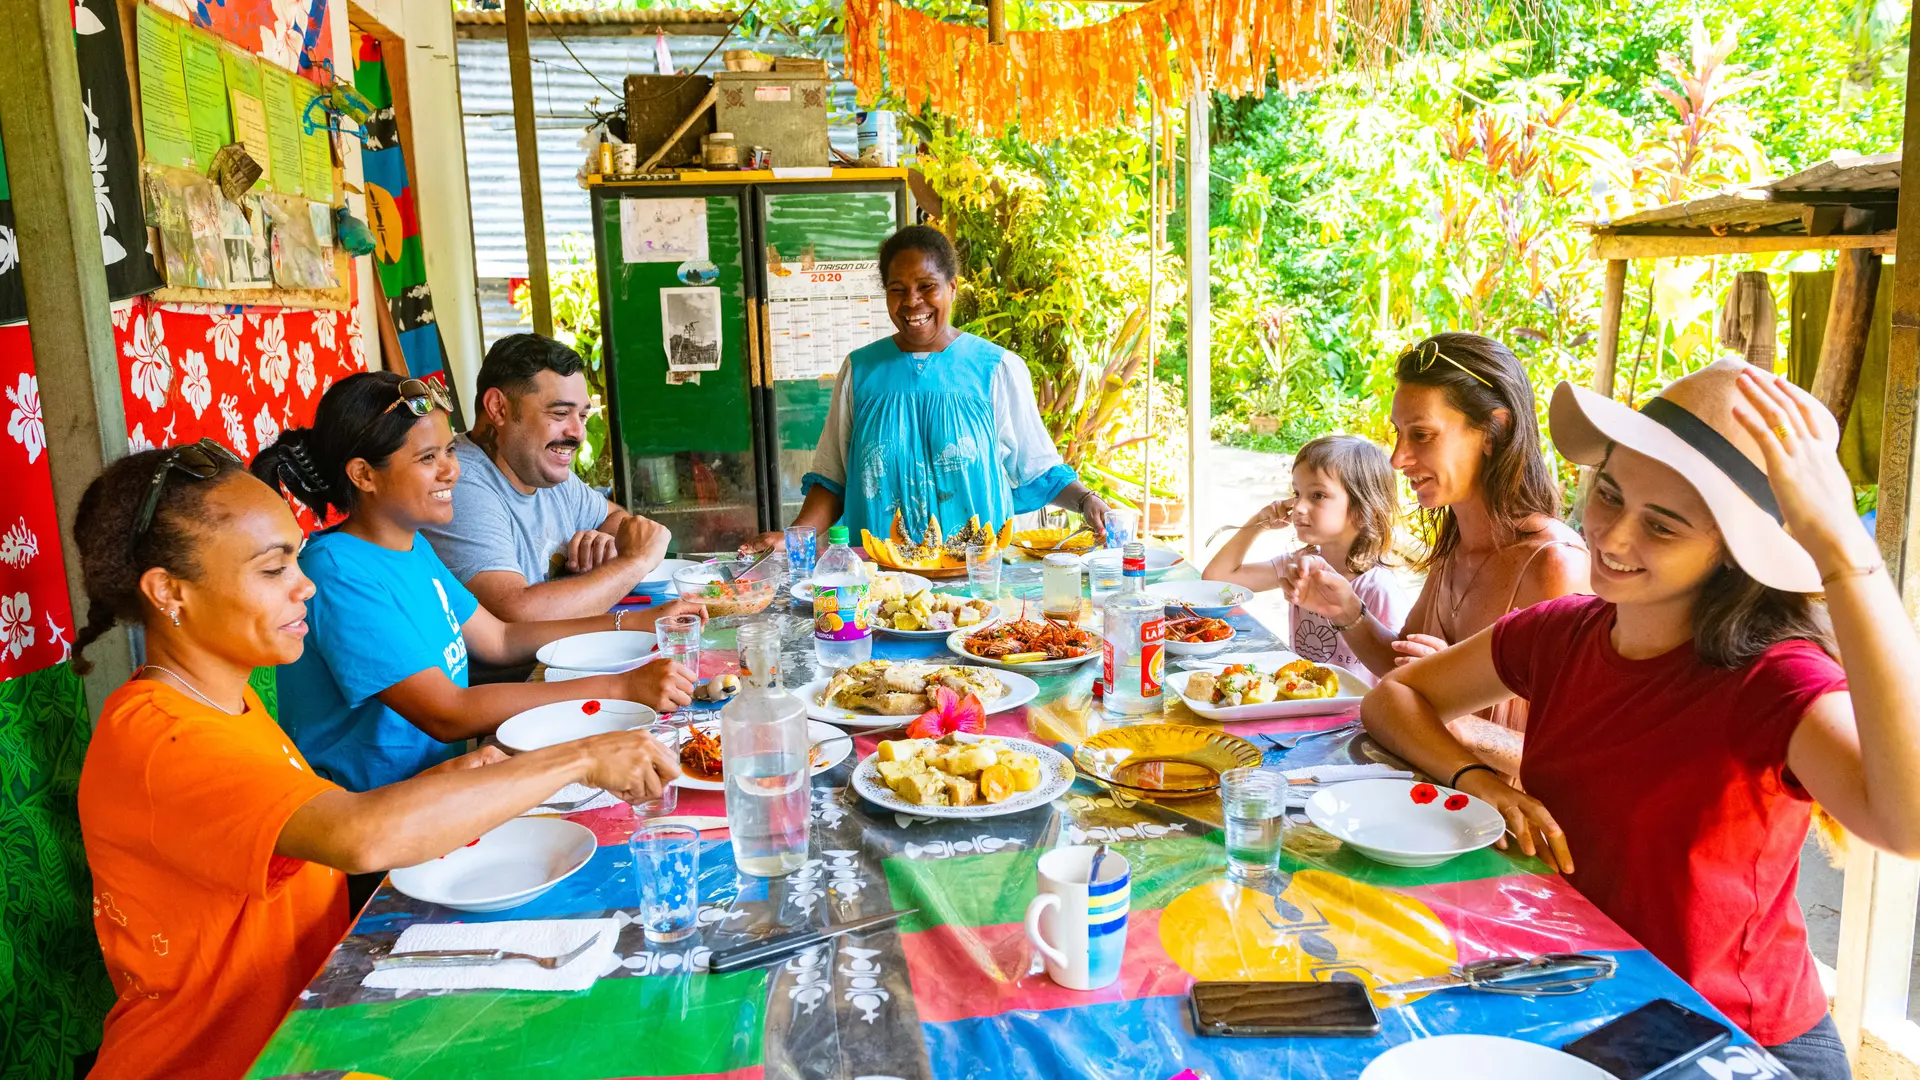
(957, 645)
(1214, 599)
(910, 583)
(565, 721)
(505, 868)
(1386, 821)
(1351, 691)
(993, 615)
(605, 652)
(1020, 690)
(833, 754)
(1056, 776)
(1476, 1057)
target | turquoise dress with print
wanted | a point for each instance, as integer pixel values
(923, 439)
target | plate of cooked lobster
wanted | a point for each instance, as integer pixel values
(1198, 635)
(700, 753)
(1033, 646)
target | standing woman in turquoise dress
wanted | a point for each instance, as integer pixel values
(932, 421)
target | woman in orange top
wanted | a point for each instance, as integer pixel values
(218, 857)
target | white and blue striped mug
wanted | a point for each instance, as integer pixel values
(1080, 927)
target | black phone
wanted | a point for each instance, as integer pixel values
(1276, 1009)
(1651, 1041)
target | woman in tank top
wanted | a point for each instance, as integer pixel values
(1467, 439)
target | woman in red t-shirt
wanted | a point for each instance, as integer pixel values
(1686, 718)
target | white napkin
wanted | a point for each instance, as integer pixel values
(573, 793)
(535, 937)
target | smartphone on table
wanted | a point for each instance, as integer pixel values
(1652, 1041)
(1283, 1009)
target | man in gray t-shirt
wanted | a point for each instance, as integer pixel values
(529, 538)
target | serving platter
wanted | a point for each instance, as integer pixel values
(957, 645)
(1020, 691)
(1352, 689)
(1056, 776)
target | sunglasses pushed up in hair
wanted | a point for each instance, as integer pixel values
(199, 461)
(419, 396)
(1429, 351)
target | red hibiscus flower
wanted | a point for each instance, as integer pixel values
(590, 708)
(950, 712)
(1455, 801)
(1424, 793)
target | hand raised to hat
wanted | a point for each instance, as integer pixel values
(1797, 436)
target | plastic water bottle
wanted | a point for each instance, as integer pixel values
(841, 636)
(765, 755)
(1131, 652)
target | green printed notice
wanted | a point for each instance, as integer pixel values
(163, 91)
(243, 72)
(206, 81)
(283, 128)
(316, 155)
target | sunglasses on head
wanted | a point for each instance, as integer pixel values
(420, 398)
(1430, 351)
(200, 461)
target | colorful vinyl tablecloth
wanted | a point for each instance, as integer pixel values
(956, 991)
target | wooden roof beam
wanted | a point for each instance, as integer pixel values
(1677, 243)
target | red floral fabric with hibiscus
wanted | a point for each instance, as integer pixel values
(238, 375)
(36, 622)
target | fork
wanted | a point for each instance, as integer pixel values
(568, 807)
(466, 957)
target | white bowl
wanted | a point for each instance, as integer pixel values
(504, 868)
(1383, 820)
(606, 652)
(565, 721)
(1213, 599)
(1477, 1057)
(1195, 648)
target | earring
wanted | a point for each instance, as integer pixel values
(175, 616)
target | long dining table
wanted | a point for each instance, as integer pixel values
(955, 990)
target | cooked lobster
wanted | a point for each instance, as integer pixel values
(1059, 640)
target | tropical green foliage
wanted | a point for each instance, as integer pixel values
(575, 291)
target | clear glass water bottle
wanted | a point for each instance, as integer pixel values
(841, 636)
(1132, 652)
(764, 754)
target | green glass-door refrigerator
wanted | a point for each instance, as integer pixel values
(727, 305)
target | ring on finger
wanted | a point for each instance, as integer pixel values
(1780, 432)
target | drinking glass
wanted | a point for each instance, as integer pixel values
(679, 640)
(1104, 576)
(1060, 586)
(801, 552)
(1123, 526)
(668, 800)
(983, 570)
(1254, 802)
(666, 864)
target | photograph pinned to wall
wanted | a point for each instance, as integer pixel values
(243, 233)
(203, 219)
(690, 328)
(663, 230)
(299, 262)
(180, 205)
(697, 272)
(322, 215)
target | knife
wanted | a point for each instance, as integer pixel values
(775, 949)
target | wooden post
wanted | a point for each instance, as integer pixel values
(1873, 924)
(65, 278)
(996, 22)
(1199, 318)
(1611, 303)
(520, 72)
(1856, 278)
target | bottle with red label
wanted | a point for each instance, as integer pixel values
(1132, 654)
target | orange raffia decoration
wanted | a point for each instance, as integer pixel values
(1059, 82)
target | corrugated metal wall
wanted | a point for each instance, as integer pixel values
(562, 94)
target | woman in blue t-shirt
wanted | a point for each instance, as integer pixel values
(381, 691)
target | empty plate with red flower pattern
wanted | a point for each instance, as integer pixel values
(1404, 823)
